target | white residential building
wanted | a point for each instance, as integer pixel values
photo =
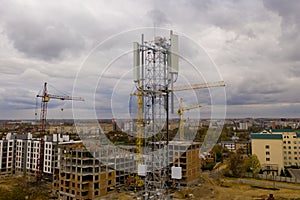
(20, 153)
(48, 157)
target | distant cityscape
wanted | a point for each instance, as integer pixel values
(78, 172)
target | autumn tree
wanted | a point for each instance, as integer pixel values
(236, 165)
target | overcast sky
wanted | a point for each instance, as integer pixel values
(254, 44)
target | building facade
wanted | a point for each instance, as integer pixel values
(20, 153)
(276, 149)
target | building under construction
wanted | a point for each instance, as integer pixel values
(83, 174)
(186, 156)
(80, 175)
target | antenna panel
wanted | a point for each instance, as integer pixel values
(136, 62)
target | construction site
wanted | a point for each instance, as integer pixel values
(91, 167)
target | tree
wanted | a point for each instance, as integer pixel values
(255, 164)
(252, 165)
(218, 151)
(236, 165)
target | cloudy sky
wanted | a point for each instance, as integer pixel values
(254, 44)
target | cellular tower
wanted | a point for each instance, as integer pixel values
(155, 71)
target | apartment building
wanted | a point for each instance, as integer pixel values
(7, 156)
(276, 149)
(20, 153)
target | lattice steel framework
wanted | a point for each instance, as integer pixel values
(154, 78)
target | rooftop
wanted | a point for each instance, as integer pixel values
(265, 136)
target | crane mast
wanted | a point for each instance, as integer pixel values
(44, 103)
(180, 112)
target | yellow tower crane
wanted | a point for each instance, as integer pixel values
(180, 113)
(45, 99)
(199, 86)
(192, 87)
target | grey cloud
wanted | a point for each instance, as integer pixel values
(255, 43)
(45, 41)
(159, 18)
(49, 31)
(294, 71)
(288, 10)
(290, 27)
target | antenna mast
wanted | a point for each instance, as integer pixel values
(155, 65)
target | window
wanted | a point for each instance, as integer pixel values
(289, 152)
(267, 159)
(289, 142)
(295, 158)
(284, 158)
(295, 152)
(267, 147)
(289, 147)
(284, 142)
(284, 147)
(267, 153)
(295, 147)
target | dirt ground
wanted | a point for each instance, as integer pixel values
(18, 188)
(227, 189)
(234, 191)
(207, 188)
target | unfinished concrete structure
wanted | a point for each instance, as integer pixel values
(186, 156)
(79, 175)
(89, 174)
